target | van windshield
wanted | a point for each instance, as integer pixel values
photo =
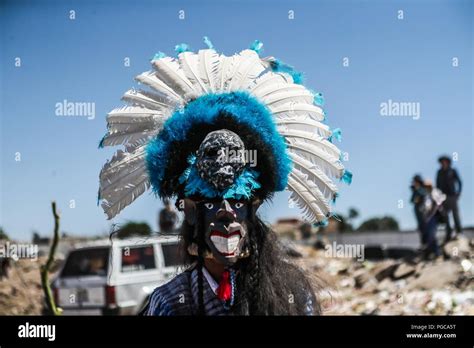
(87, 262)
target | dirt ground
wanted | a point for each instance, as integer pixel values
(21, 292)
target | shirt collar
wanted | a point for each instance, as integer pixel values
(212, 283)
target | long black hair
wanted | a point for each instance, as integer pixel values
(268, 283)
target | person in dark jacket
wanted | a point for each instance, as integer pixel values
(167, 218)
(418, 198)
(450, 184)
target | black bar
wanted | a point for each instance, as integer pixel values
(291, 331)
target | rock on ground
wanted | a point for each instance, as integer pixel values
(444, 286)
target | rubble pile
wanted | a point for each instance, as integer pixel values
(21, 292)
(443, 286)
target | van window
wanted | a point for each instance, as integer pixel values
(171, 254)
(138, 258)
(86, 262)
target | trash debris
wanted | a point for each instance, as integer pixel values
(444, 286)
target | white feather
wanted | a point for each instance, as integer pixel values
(128, 137)
(297, 109)
(209, 67)
(305, 123)
(131, 126)
(116, 181)
(122, 118)
(312, 140)
(189, 65)
(121, 160)
(248, 69)
(125, 197)
(277, 87)
(122, 180)
(170, 72)
(305, 200)
(284, 97)
(325, 184)
(150, 79)
(149, 100)
(330, 165)
(227, 70)
(127, 112)
(313, 189)
(268, 79)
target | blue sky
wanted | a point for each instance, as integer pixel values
(82, 60)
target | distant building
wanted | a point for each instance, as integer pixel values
(288, 227)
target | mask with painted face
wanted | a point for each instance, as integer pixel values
(226, 229)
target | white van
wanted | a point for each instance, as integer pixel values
(115, 278)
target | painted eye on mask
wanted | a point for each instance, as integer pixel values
(209, 205)
(238, 205)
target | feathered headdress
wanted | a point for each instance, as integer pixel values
(261, 100)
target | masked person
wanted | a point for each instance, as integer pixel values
(221, 135)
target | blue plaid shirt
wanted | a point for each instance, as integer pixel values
(180, 297)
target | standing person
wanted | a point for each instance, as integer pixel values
(217, 110)
(418, 198)
(449, 183)
(167, 218)
(430, 212)
(5, 265)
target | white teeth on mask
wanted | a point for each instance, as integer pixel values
(226, 245)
